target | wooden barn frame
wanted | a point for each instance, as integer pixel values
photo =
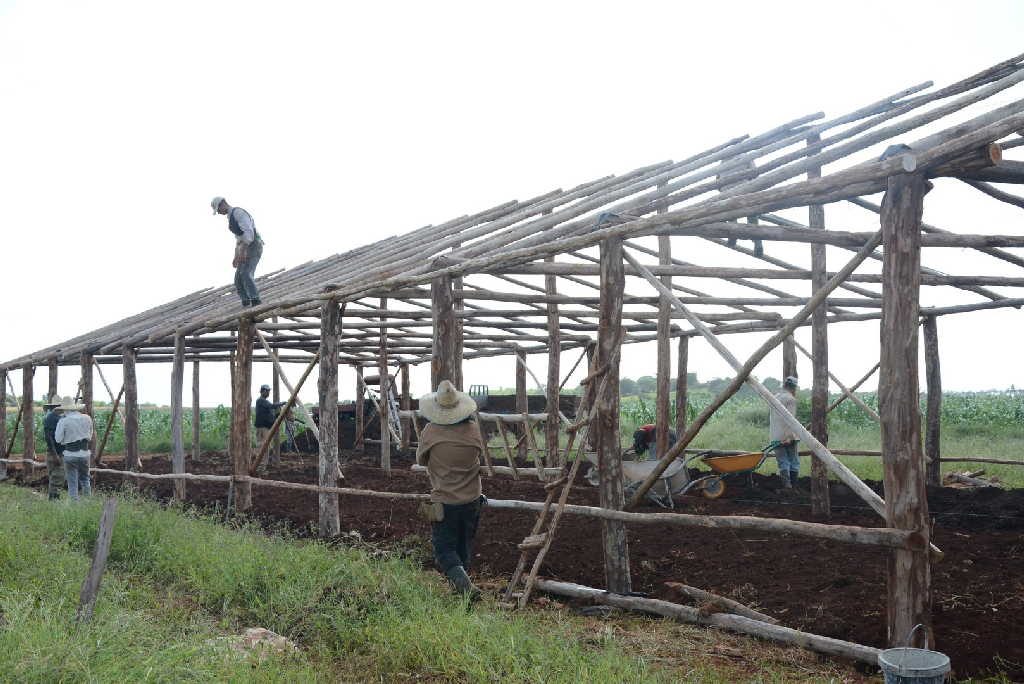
(548, 274)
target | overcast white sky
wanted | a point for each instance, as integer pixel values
(339, 123)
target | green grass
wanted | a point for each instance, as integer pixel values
(176, 581)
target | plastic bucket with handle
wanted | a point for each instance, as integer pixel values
(913, 665)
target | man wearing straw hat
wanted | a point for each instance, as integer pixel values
(73, 434)
(54, 461)
(450, 447)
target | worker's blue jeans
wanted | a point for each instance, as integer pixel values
(788, 457)
(453, 537)
(245, 273)
(76, 471)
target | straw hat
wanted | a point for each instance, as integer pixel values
(68, 404)
(53, 401)
(447, 405)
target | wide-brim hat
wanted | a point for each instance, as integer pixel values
(54, 400)
(69, 404)
(447, 405)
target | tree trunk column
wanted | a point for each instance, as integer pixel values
(87, 400)
(446, 358)
(551, 425)
(330, 326)
(406, 405)
(3, 424)
(241, 431)
(664, 362)
(682, 368)
(522, 403)
(275, 396)
(177, 419)
(609, 450)
(28, 424)
(385, 396)
(197, 416)
(51, 388)
(909, 579)
(821, 505)
(788, 358)
(359, 442)
(932, 450)
(131, 411)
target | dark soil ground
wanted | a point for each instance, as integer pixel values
(819, 586)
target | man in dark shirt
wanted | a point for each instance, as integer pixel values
(266, 413)
(54, 462)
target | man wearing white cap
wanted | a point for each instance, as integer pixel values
(450, 447)
(73, 434)
(248, 249)
(786, 453)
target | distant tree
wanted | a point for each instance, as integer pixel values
(627, 386)
(772, 384)
(647, 384)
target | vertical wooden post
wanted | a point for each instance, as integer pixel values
(385, 396)
(275, 396)
(446, 359)
(522, 402)
(590, 392)
(609, 450)
(197, 416)
(3, 424)
(406, 405)
(906, 506)
(788, 358)
(932, 450)
(231, 369)
(87, 396)
(28, 426)
(552, 453)
(682, 369)
(131, 410)
(51, 388)
(177, 422)
(330, 326)
(241, 411)
(359, 443)
(821, 505)
(664, 362)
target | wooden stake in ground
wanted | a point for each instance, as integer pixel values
(934, 379)
(406, 405)
(177, 407)
(91, 585)
(682, 368)
(28, 416)
(906, 505)
(359, 441)
(132, 460)
(87, 396)
(821, 506)
(197, 452)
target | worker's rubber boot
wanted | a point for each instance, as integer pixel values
(461, 583)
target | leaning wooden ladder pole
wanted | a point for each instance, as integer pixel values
(540, 538)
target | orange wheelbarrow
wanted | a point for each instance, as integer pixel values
(724, 464)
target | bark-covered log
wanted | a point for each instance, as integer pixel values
(329, 515)
(177, 423)
(132, 459)
(933, 376)
(28, 430)
(241, 436)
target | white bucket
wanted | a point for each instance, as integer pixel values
(913, 666)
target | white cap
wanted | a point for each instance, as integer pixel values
(215, 202)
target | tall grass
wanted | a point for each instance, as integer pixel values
(356, 617)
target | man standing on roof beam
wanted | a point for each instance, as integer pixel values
(248, 249)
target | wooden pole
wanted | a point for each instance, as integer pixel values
(3, 424)
(197, 416)
(330, 326)
(522, 401)
(51, 388)
(87, 396)
(664, 361)
(682, 369)
(275, 396)
(552, 453)
(847, 392)
(241, 439)
(28, 416)
(108, 426)
(932, 451)
(789, 357)
(385, 397)
(258, 460)
(445, 361)
(609, 451)
(91, 585)
(406, 405)
(359, 443)
(177, 408)
(132, 460)
(906, 504)
(821, 506)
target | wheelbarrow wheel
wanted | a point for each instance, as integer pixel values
(713, 488)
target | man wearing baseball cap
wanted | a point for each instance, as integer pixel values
(248, 249)
(266, 413)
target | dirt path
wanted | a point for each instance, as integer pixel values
(816, 585)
